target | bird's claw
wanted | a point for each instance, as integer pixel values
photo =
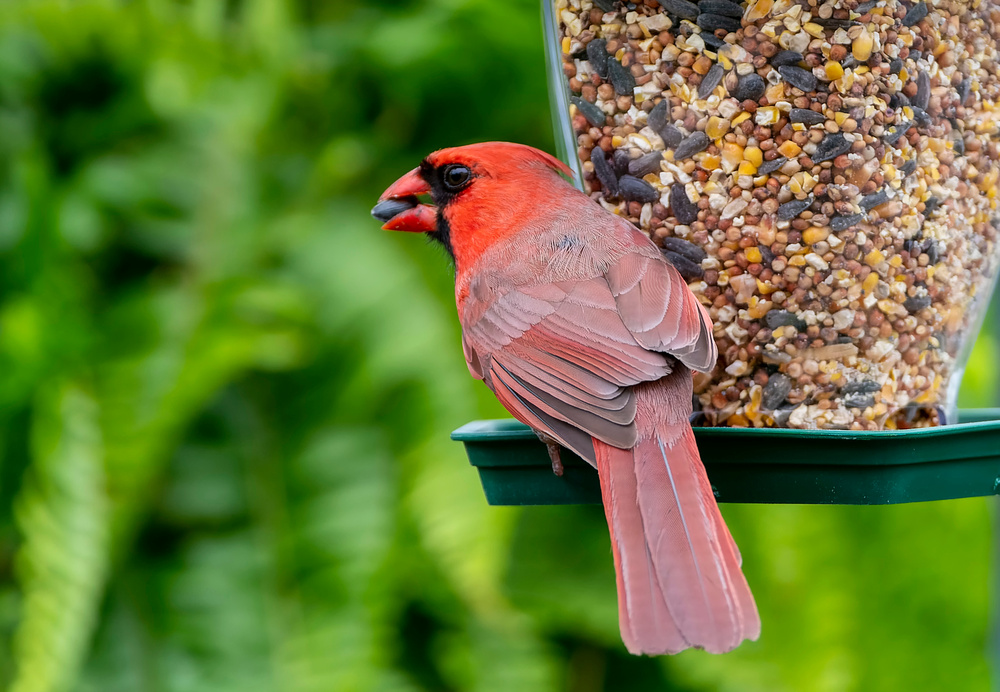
(553, 448)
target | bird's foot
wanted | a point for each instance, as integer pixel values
(553, 448)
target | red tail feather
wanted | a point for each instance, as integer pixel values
(679, 578)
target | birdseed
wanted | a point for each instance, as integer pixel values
(826, 183)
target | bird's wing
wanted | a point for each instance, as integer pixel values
(658, 308)
(560, 358)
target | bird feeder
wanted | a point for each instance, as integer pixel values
(826, 184)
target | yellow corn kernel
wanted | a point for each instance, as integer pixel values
(566, 45)
(767, 115)
(617, 141)
(717, 127)
(815, 234)
(840, 118)
(732, 155)
(862, 46)
(834, 70)
(874, 257)
(753, 254)
(797, 261)
(754, 155)
(758, 10)
(870, 282)
(897, 262)
(710, 162)
(747, 168)
(903, 75)
(789, 149)
(814, 30)
(740, 118)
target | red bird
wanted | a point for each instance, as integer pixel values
(584, 331)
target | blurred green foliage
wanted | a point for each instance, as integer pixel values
(225, 395)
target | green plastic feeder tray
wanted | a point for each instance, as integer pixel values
(781, 466)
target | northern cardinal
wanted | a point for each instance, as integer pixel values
(587, 334)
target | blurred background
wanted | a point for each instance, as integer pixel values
(226, 395)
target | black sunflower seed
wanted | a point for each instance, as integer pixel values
(606, 5)
(915, 14)
(620, 161)
(637, 190)
(832, 23)
(777, 388)
(713, 22)
(921, 117)
(830, 148)
(790, 210)
(657, 117)
(786, 57)
(685, 210)
(873, 200)
(916, 304)
(712, 41)
(698, 141)
(909, 167)
(621, 78)
(923, 90)
(842, 223)
(891, 138)
(963, 89)
(385, 210)
(806, 116)
(931, 205)
(861, 387)
(672, 137)
(691, 271)
(750, 87)
(645, 164)
(895, 66)
(861, 401)
(769, 167)
(932, 251)
(866, 7)
(594, 115)
(782, 318)
(597, 55)
(681, 8)
(686, 248)
(959, 146)
(711, 79)
(603, 171)
(723, 7)
(798, 78)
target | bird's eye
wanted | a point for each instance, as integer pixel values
(455, 177)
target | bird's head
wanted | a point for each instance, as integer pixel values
(491, 185)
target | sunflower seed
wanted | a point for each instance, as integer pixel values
(806, 116)
(909, 167)
(782, 318)
(685, 210)
(786, 57)
(621, 78)
(769, 167)
(711, 79)
(798, 78)
(923, 90)
(749, 87)
(602, 169)
(686, 248)
(871, 201)
(712, 41)
(963, 89)
(861, 387)
(681, 8)
(606, 5)
(916, 304)
(597, 55)
(385, 210)
(657, 117)
(790, 210)
(866, 7)
(672, 137)
(691, 271)
(777, 388)
(861, 401)
(891, 138)
(842, 223)
(830, 148)
(646, 164)
(594, 115)
(714, 22)
(698, 141)
(723, 7)
(915, 14)
(620, 161)
(637, 190)
(895, 66)
(832, 23)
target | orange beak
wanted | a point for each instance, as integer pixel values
(399, 210)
